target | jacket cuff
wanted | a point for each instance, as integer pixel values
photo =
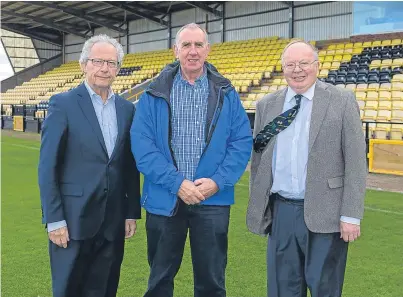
(178, 182)
(219, 180)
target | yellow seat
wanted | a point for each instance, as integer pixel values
(351, 87)
(341, 86)
(396, 131)
(386, 63)
(346, 58)
(397, 78)
(357, 50)
(361, 104)
(386, 42)
(361, 95)
(362, 87)
(323, 73)
(332, 47)
(385, 105)
(276, 82)
(349, 45)
(373, 87)
(273, 88)
(385, 95)
(385, 87)
(397, 86)
(339, 52)
(251, 97)
(376, 43)
(397, 62)
(371, 95)
(396, 41)
(335, 66)
(371, 105)
(326, 65)
(397, 105)
(375, 64)
(370, 115)
(397, 116)
(397, 96)
(264, 89)
(322, 53)
(260, 96)
(367, 44)
(328, 59)
(382, 131)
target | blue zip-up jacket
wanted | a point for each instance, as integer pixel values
(226, 153)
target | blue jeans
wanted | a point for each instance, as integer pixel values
(166, 237)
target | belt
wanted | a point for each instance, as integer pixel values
(288, 200)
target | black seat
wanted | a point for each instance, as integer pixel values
(385, 78)
(331, 80)
(355, 58)
(332, 73)
(376, 56)
(344, 66)
(351, 80)
(340, 80)
(374, 71)
(386, 49)
(386, 56)
(342, 72)
(373, 78)
(385, 70)
(364, 63)
(397, 55)
(362, 79)
(353, 66)
(363, 70)
(366, 51)
(397, 70)
(352, 72)
(375, 51)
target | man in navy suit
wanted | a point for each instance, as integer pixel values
(89, 183)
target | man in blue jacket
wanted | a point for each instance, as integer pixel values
(193, 141)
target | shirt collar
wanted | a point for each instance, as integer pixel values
(202, 78)
(94, 95)
(308, 94)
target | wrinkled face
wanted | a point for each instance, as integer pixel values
(192, 49)
(300, 67)
(96, 74)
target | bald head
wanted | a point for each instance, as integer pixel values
(300, 45)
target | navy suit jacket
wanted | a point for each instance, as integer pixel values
(78, 182)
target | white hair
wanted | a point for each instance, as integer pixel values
(190, 26)
(85, 53)
(314, 49)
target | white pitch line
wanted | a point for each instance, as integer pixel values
(366, 207)
(23, 146)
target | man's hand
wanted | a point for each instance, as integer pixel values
(130, 228)
(60, 236)
(349, 232)
(189, 193)
(206, 186)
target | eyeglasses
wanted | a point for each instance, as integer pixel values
(303, 65)
(100, 63)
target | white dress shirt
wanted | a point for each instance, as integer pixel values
(290, 155)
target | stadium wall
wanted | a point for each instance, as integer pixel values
(46, 50)
(243, 20)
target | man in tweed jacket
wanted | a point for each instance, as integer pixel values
(307, 183)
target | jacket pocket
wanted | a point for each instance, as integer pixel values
(336, 182)
(71, 190)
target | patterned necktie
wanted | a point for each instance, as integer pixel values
(277, 125)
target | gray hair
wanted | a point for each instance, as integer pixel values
(314, 49)
(85, 53)
(190, 26)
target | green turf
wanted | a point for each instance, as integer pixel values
(374, 265)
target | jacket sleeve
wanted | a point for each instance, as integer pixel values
(53, 144)
(355, 168)
(239, 147)
(149, 159)
(132, 176)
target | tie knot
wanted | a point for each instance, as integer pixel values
(298, 98)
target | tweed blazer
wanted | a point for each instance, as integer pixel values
(336, 169)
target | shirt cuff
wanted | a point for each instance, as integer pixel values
(350, 220)
(56, 225)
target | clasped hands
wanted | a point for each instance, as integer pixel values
(197, 191)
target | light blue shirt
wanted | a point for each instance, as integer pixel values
(106, 115)
(290, 155)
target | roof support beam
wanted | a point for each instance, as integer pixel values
(47, 23)
(155, 10)
(80, 14)
(138, 13)
(205, 7)
(32, 34)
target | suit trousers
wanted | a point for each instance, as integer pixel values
(298, 259)
(166, 237)
(86, 268)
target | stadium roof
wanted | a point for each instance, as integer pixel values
(48, 20)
